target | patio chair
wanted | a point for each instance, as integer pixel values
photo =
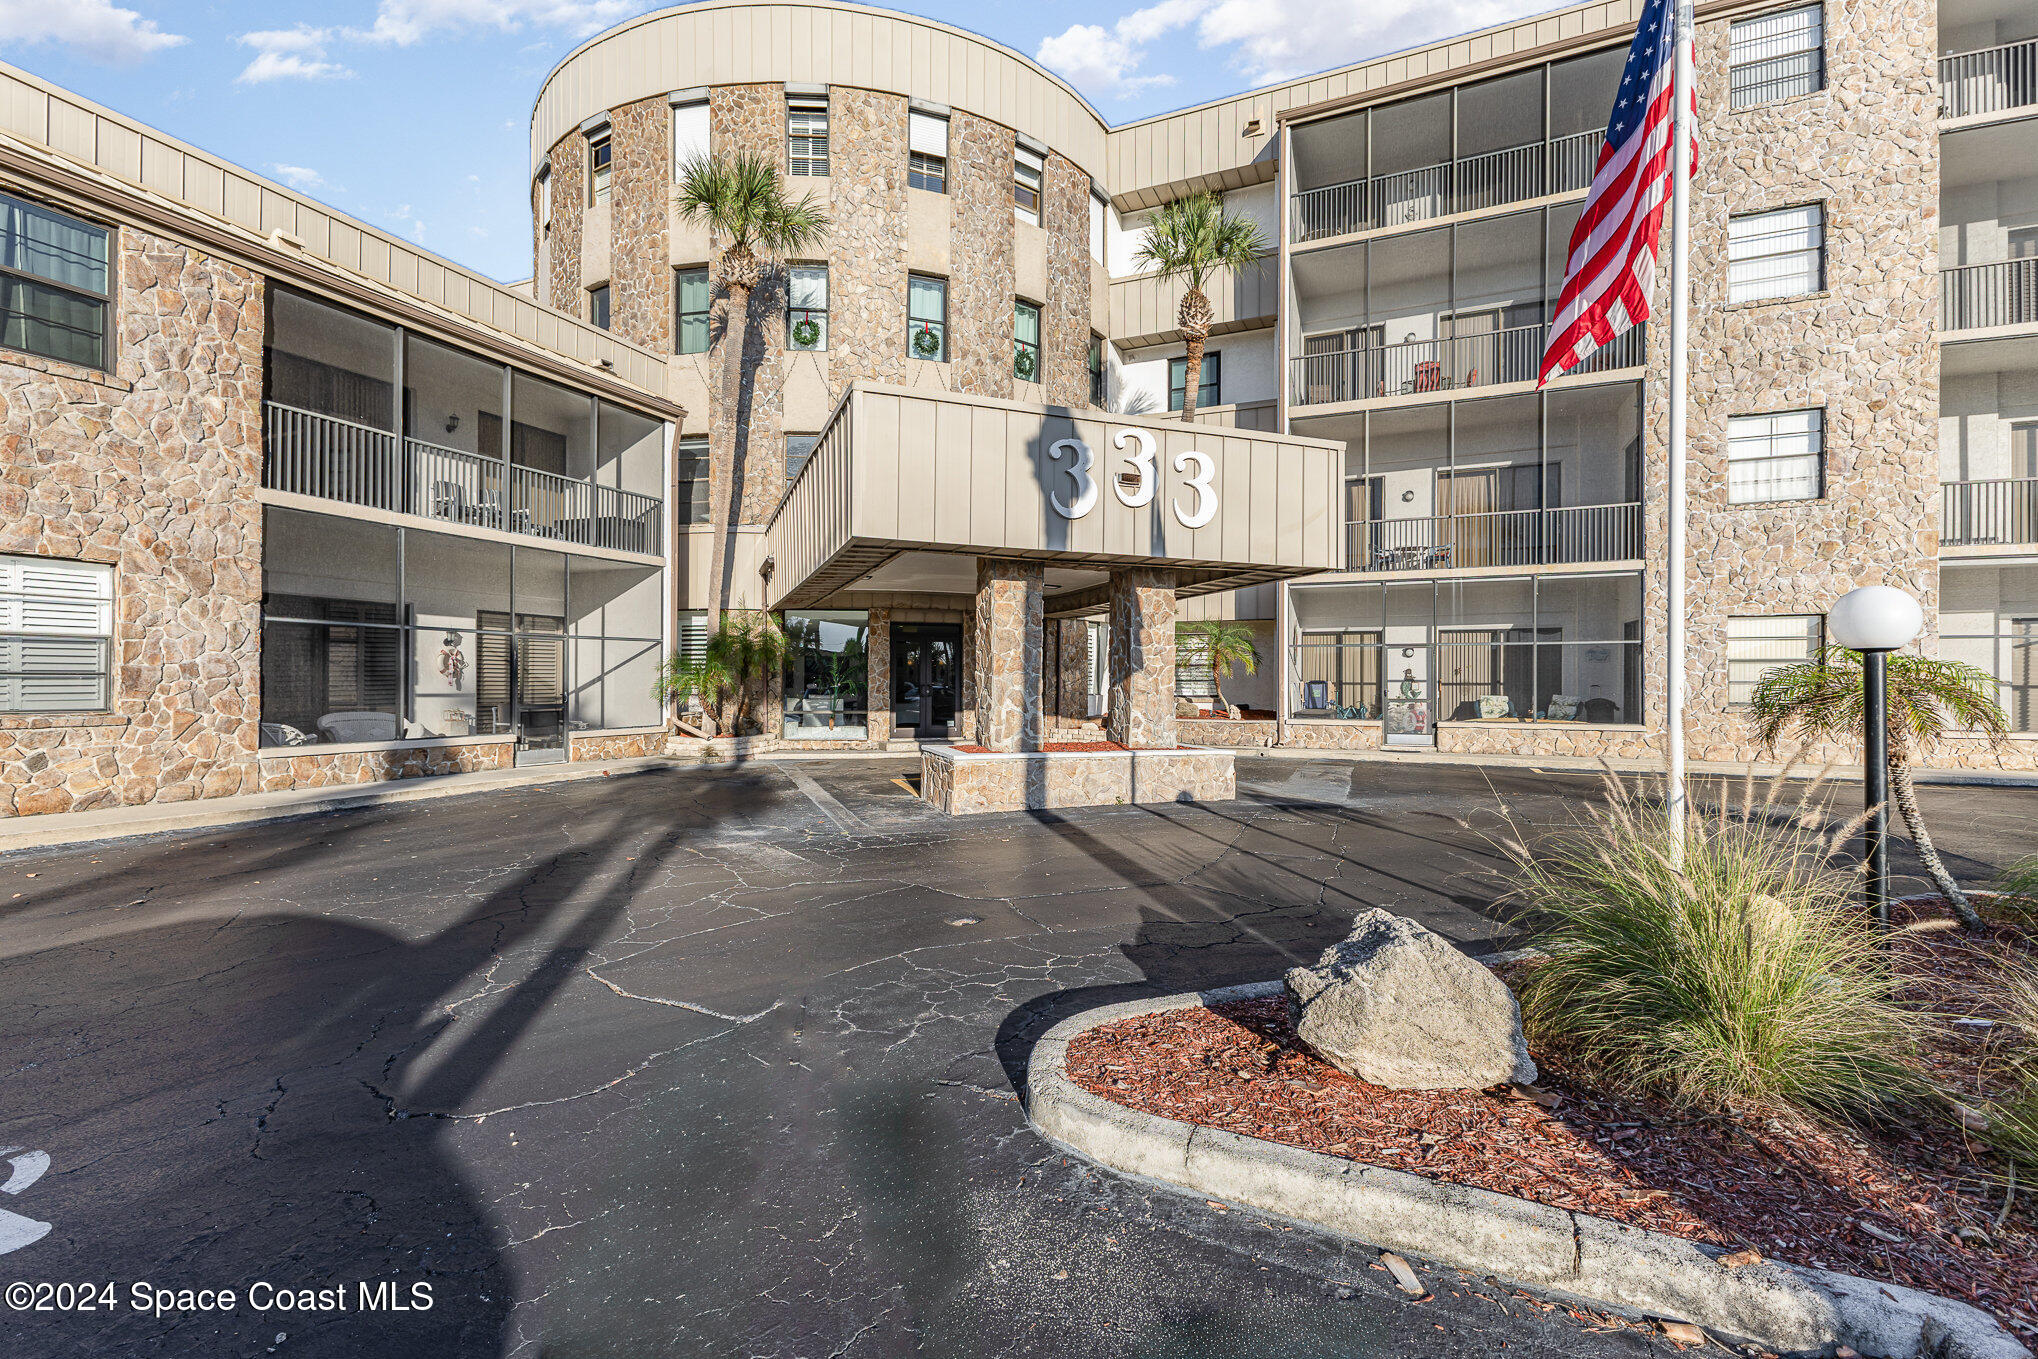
(447, 501)
(344, 728)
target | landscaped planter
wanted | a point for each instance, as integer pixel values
(1778, 1306)
(963, 782)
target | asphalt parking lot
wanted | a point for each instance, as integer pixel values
(700, 1062)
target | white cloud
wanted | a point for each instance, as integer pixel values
(95, 29)
(290, 54)
(1107, 61)
(299, 177)
(1271, 40)
(404, 22)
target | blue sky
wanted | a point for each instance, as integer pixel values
(414, 114)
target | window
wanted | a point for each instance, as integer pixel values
(693, 298)
(1098, 212)
(827, 675)
(1026, 173)
(1206, 390)
(806, 134)
(598, 153)
(1776, 254)
(1026, 341)
(806, 307)
(927, 317)
(1756, 646)
(1098, 380)
(798, 448)
(1777, 56)
(55, 284)
(689, 135)
(927, 152)
(598, 305)
(1775, 457)
(545, 199)
(692, 477)
(56, 626)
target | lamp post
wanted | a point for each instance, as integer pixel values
(1876, 620)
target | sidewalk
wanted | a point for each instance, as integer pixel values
(1553, 764)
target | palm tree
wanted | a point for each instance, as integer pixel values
(737, 656)
(1191, 239)
(1820, 700)
(1226, 646)
(742, 200)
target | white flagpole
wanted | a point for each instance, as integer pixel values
(1680, 302)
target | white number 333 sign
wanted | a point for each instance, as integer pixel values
(1138, 488)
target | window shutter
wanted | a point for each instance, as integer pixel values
(689, 134)
(927, 134)
(56, 621)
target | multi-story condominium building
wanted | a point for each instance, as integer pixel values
(286, 501)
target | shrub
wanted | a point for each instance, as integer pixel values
(2017, 893)
(1744, 978)
(2012, 1127)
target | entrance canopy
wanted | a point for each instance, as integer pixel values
(905, 488)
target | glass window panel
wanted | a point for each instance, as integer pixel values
(331, 683)
(330, 362)
(693, 487)
(827, 676)
(1775, 457)
(1209, 386)
(798, 448)
(807, 306)
(695, 301)
(451, 582)
(53, 246)
(452, 402)
(807, 135)
(1026, 341)
(689, 135)
(615, 599)
(53, 323)
(1776, 56)
(1776, 254)
(1590, 682)
(1755, 646)
(1588, 608)
(927, 317)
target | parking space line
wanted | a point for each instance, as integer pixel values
(846, 821)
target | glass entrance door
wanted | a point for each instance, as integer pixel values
(540, 690)
(926, 660)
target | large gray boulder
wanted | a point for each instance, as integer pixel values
(1395, 1005)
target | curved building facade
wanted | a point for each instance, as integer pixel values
(964, 249)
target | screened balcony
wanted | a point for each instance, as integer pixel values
(1537, 480)
(1988, 239)
(1508, 140)
(563, 465)
(1433, 311)
(1988, 445)
(1988, 617)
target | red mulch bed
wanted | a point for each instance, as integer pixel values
(1887, 1204)
(1071, 748)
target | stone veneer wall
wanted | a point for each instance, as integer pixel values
(966, 785)
(878, 674)
(1010, 638)
(622, 745)
(1065, 313)
(640, 268)
(568, 160)
(154, 470)
(866, 247)
(339, 768)
(1216, 731)
(1867, 147)
(980, 283)
(1141, 709)
(752, 118)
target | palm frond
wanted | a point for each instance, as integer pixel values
(1821, 700)
(742, 198)
(1191, 238)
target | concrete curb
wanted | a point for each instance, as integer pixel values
(1787, 1308)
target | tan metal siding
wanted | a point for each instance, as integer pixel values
(1144, 309)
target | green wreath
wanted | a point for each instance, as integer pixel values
(926, 343)
(1023, 363)
(806, 332)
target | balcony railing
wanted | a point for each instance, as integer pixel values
(1513, 174)
(2001, 294)
(1990, 80)
(1988, 513)
(333, 459)
(1572, 533)
(1418, 366)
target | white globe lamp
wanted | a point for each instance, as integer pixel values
(1875, 620)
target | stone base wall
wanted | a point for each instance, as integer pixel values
(621, 745)
(1335, 736)
(153, 470)
(1547, 738)
(378, 766)
(964, 785)
(1212, 731)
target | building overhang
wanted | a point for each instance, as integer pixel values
(906, 488)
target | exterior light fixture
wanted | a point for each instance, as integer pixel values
(1875, 620)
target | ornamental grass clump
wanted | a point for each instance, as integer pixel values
(1742, 977)
(2016, 898)
(2011, 1119)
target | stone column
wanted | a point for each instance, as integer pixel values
(878, 660)
(1008, 651)
(1142, 703)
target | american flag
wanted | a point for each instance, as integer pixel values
(1611, 269)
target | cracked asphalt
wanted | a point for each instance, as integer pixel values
(710, 1063)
